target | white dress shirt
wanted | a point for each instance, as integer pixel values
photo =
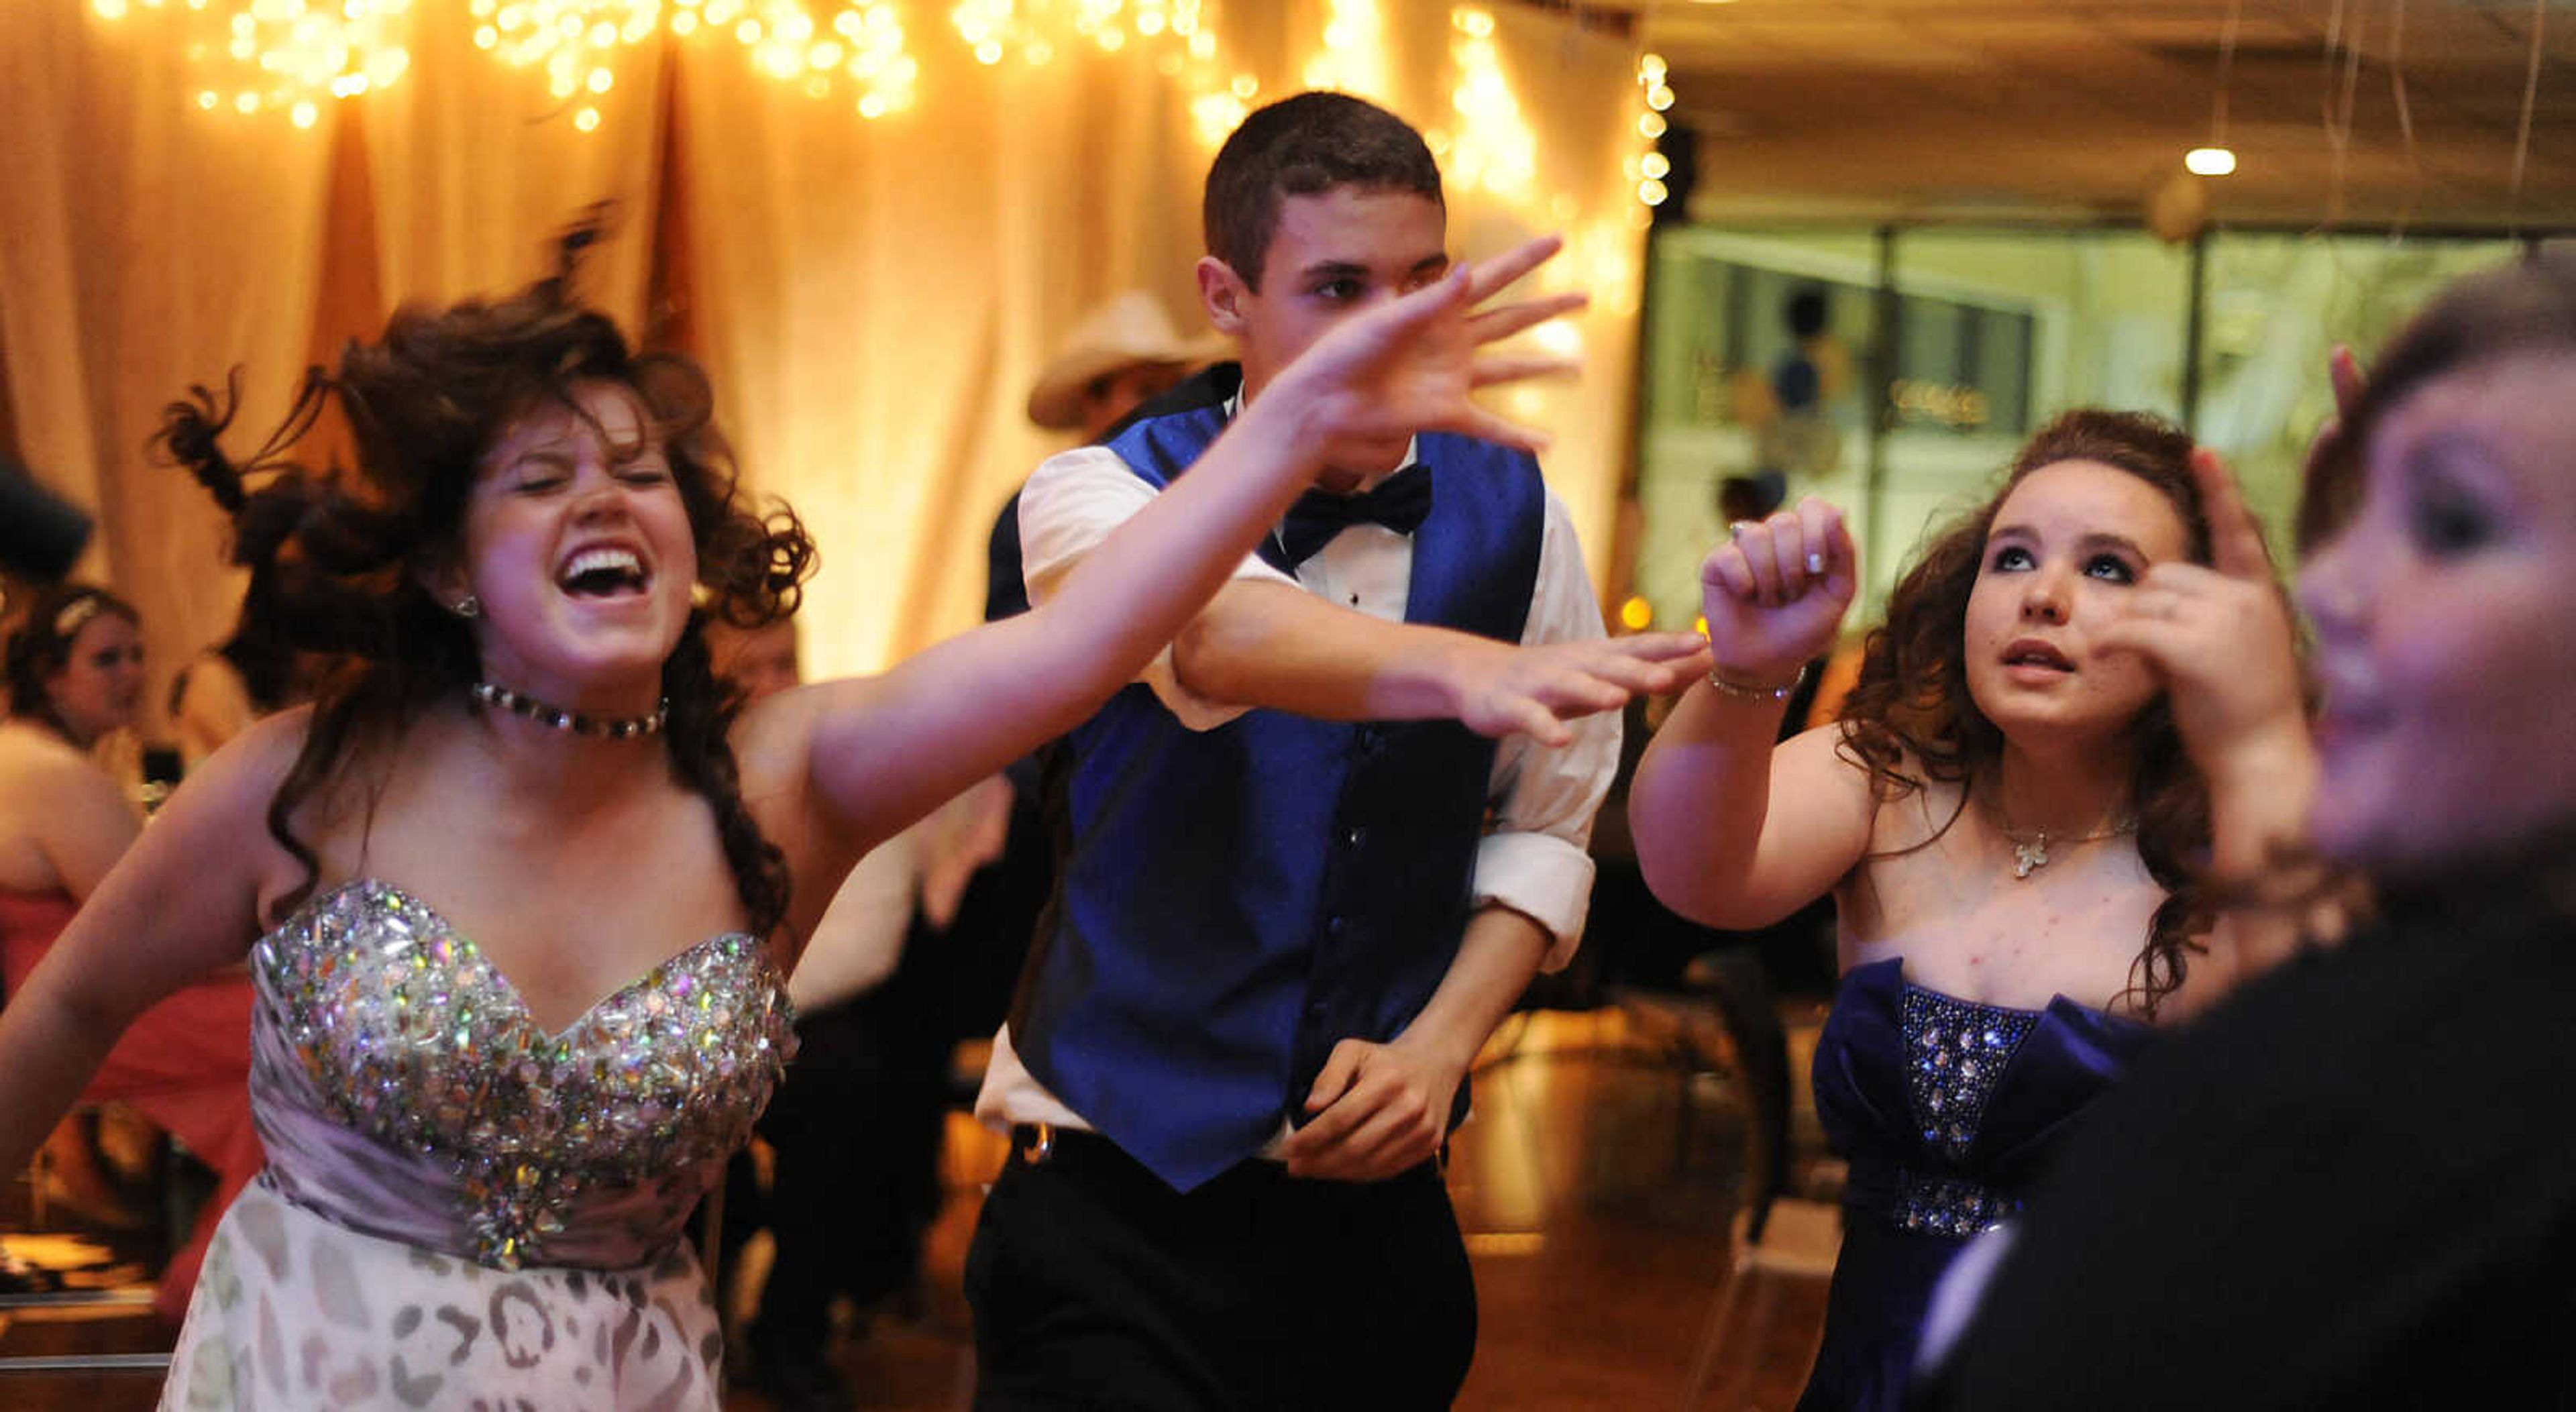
(1533, 857)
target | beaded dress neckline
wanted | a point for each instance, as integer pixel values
(404, 1089)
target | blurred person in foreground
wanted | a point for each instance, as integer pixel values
(2354, 1185)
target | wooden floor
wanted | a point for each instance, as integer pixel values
(1595, 1183)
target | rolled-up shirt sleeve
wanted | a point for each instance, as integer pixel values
(1071, 503)
(1535, 857)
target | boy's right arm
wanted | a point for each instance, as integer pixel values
(1269, 643)
(1276, 645)
(1264, 641)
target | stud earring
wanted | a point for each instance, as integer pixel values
(469, 606)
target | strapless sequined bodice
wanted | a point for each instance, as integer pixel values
(402, 1088)
(1946, 1110)
(1946, 1107)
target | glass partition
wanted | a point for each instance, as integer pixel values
(1895, 372)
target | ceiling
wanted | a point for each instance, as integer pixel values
(2080, 109)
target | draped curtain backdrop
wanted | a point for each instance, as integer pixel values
(871, 296)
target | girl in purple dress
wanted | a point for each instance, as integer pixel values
(2006, 817)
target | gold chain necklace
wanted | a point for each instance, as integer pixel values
(2030, 846)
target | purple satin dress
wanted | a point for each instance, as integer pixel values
(461, 1209)
(1945, 1109)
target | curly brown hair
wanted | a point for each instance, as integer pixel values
(1910, 719)
(345, 564)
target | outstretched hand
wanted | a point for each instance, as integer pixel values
(1777, 589)
(1537, 689)
(2220, 635)
(1410, 364)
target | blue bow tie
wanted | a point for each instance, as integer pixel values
(1400, 502)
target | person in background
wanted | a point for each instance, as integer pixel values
(75, 673)
(237, 681)
(1121, 354)
(2354, 1184)
(2006, 817)
(839, 1213)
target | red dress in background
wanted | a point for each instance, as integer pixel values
(184, 1064)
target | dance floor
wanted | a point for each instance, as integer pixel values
(1594, 1183)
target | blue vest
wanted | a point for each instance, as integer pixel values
(1234, 902)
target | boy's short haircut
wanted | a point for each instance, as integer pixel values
(1305, 146)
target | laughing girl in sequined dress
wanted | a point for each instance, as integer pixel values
(2006, 816)
(516, 893)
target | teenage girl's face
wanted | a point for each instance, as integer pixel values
(578, 545)
(2069, 542)
(100, 687)
(2445, 642)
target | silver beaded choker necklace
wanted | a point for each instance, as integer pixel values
(625, 728)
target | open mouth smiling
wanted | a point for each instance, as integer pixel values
(607, 571)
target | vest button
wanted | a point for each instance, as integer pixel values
(1333, 925)
(1353, 836)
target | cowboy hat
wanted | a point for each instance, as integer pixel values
(1130, 329)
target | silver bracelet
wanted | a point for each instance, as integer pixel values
(1749, 691)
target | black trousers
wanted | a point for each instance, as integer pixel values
(1096, 1285)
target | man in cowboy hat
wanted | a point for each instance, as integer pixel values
(1123, 353)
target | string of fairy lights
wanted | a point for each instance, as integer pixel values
(293, 58)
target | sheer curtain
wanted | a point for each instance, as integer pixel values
(144, 245)
(870, 297)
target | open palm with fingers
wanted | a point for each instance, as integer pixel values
(1411, 364)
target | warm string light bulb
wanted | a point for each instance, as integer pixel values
(1353, 56)
(1495, 150)
(1037, 31)
(1649, 169)
(288, 57)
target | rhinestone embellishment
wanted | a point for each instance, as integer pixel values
(1955, 1051)
(425, 1047)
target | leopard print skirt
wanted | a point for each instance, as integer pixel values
(295, 1311)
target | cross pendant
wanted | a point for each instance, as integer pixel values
(2027, 856)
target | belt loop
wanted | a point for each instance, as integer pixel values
(1035, 1141)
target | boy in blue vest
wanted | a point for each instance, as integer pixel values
(1302, 881)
